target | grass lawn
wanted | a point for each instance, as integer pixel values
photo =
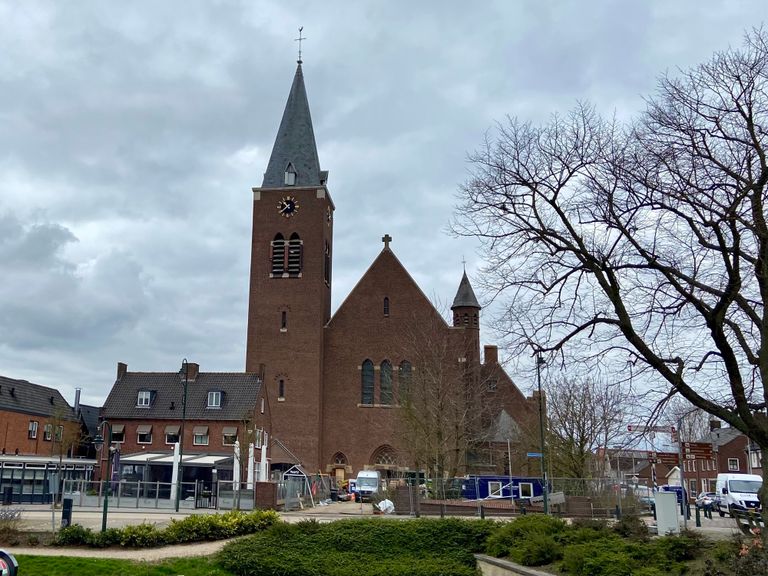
(66, 566)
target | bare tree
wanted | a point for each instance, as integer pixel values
(443, 412)
(641, 249)
(691, 423)
(583, 416)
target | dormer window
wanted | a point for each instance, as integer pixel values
(290, 176)
(214, 399)
(144, 399)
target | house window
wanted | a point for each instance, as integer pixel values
(59, 433)
(229, 435)
(200, 437)
(385, 382)
(32, 430)
(214, 399)
(692, 486)
(281, 389)
(144, 399)
(118, 433)
(386, 306)
(366, 383)
(733, 464)
(48, 432)
(144, 434)
(526, 490)
(290, 175)
(278, 255)
(756, 458)
(294, 255)
(172, 434)
(493, 384)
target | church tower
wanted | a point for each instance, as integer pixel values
(290, 284)
(466, 314)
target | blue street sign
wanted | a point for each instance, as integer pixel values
(534, 454)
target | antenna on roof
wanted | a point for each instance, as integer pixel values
(299, 39)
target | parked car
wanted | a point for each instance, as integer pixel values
(706, 500)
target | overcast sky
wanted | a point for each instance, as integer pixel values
(131, 134)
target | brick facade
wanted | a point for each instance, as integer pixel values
(312, 362)
(15, 433)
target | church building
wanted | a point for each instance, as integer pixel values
(349, 391)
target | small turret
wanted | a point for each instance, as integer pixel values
(466, 309)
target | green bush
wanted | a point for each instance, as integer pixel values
(204, 527)
(632, 526)
(537, 550)
(73, 535)
(110, 537)
(509, 537)
(141, 536)
(378, 547)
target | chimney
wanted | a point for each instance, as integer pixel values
(191, 372)
(714, 424)
(122, 370)
(491, 354)
(77, 401)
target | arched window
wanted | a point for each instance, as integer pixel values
(284, 320)
(290, 175)
(385, 457)
(366, 381)
(278, 255)
(281, 389)
(294, 255)
(466, 319)
(340, 459)
(386, 306)
(385, 382)
(404, 380)
(474, 319)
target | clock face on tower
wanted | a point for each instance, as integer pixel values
(288, 206)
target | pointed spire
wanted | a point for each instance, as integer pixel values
(295, 149)
(465, 297)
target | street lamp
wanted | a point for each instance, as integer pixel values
(179, 479)
(539, 363)
(98, 442)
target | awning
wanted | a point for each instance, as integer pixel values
(172, 429)
(200, 430)
(144, 428)
(118, 428)
(230, 430)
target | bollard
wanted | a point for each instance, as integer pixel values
(66, 512)
(698, 517)
(482, 512)
(618, 512)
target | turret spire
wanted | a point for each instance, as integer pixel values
(465, 296)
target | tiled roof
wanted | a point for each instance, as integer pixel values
(295, 142)
(239, 390)
(23, 396)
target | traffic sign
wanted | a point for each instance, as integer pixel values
(643, 428)
(534, 454)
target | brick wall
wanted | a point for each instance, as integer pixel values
(14, 433)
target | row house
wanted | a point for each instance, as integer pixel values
(41, 435)
(213, 416)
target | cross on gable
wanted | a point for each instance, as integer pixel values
(386, 239)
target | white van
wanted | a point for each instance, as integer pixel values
(368, 484)
(737, 492)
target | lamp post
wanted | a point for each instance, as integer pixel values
(539, 363)
(180, 478)
(98, 442)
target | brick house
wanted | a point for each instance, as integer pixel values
(36, 420)
(334, 381)
(146, 416)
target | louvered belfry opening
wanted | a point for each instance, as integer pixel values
(278, 255)
(294, 255)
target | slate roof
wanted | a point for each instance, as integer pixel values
(465, 296)
(721, 436)
(23, 396)
(295, 142)
(240, 392)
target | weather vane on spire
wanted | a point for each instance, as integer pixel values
(299, 39)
